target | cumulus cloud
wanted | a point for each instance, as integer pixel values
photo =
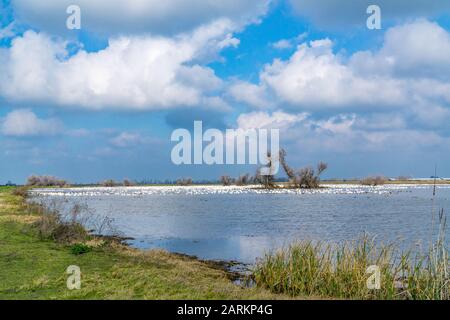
(138, 72)
(419, 49)
(409, 74)
(24, 123)
(264, 120)
(131, 16)
(338, 13)
(289, 43)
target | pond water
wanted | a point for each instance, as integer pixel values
(242, 223)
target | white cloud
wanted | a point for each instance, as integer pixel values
(410, 74)
(341, 134)
(282, 44)
(314, 77)
(289, 43)
(24, 123)
(127, 139)
(140, 72)
(419, 49)
(131, 16)
(264, 120)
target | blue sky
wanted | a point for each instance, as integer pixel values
(102, 102)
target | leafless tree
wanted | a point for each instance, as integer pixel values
(109, 183)
(127, 183)
(243, 180)
(305, 177)
(226, 180)
(45, 181)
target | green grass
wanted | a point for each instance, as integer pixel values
(31, 268)
(339, 271)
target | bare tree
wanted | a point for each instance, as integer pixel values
(109, 183)
(305, 177)
(184, 182)
(45, 181)
(243, 180)
(321, 167)
(293, 181)
(128, 183)
(226, 180)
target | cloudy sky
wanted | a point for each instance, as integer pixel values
(101, 102)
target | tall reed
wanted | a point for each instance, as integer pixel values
(318, 269)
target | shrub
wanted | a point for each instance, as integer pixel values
(51, 226)
(373, 181)
(226, 180)
(45, 181)
(20, 191)
(184, 182)
(80, 248)
(109, 183)
(243, 180)
(128, 183)
(267, 181)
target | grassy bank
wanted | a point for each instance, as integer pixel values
(32, 268)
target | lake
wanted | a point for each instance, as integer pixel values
(242, 223)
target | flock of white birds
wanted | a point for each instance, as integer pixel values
(214, 189)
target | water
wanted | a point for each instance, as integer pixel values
(241, 223)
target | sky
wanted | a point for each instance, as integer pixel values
(102, 101)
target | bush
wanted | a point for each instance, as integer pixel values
(243, 180)
(109, 183)
(80, 248)
(373, 181)
(51, 226)
(267, 181)
(226, 180)
(184, 182)
(128, 183)
(45, 181)
(20, 191)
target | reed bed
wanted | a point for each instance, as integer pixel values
(318, 269)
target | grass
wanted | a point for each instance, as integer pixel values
(35, 268)
(340, 271)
